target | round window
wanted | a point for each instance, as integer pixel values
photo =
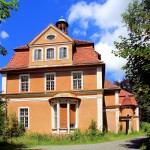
(50, 37)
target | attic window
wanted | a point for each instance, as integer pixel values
(50, 37)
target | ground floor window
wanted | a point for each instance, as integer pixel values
(64, 114)
(24, 117)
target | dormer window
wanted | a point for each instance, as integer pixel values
(50, 53)
(63, 53)
(38, 54)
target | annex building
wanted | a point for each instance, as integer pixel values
(56, 84)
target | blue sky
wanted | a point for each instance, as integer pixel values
(94, 20)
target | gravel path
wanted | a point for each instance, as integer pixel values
(128, 144)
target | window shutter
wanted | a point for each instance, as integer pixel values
(63, 115)
(72, 114)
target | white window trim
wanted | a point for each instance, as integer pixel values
(68, 102)
(20, 82)
(72, 72)
(33, 60)
(28, 115)
(67, 52)
(54, 80)
(46, 54)
(49, 39)
(4, 83)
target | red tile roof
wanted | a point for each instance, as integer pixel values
(19, 60)
(108, 84)
(22, 47)
(82, 42)
(85, 55)
(124, 93)
(125, 98)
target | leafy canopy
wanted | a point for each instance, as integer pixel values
(5, 10)
(136, 49)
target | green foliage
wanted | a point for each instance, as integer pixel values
(6, 7)
(136, 49)
(2, 117)
(124, 84)
(12, 128)
(5, 10)
(76, 136)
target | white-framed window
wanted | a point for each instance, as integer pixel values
(77, 80)
(24, 82)
(63, 52)
(64, 115)
(50, 81)
(50, 53)
(38, 54)
(23, 118)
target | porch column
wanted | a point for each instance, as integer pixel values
(100, 112)
(117, 109)
(77, 109)
(68, 116)
(58, 116)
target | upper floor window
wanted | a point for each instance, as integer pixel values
(50, 53)
(63, 52)
(24, 117)
(38, 54)
(50, 81)
(77, 80)
(24, 83)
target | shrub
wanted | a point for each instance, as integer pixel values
(12, 128)
(76, 136)
(93, 132)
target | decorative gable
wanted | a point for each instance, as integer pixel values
(50, 35)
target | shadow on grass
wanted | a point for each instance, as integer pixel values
(11, 146)
(136, 143)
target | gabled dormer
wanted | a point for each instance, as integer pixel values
(52, 47)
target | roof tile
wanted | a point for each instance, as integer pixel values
(85, 55)
(19, 60)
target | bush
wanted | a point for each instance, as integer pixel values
(12, 128)
(76, 136)
(93, 133)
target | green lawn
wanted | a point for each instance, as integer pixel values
(34, 139)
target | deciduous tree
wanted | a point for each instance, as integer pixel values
(136, 49)
(5, 12)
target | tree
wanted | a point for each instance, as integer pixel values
(124, 84)
(5, 9)
(136, 49)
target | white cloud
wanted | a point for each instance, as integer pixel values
(76, 32)
(107, 17)
(4, 35)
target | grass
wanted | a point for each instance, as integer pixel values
(35, 139)
(91, 136)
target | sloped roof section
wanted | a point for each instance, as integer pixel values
(19, 60)
(108, 85)
(124, 93)
(85, 55)
(82, 42)
(127, 100)
(21, 47)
